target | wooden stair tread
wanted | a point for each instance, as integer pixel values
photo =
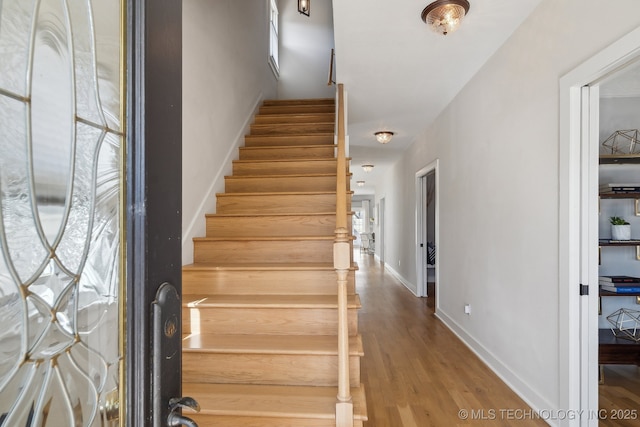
(280, 193)
(296, 160)
(272, 400)
(267, 301)
(269, 344)
(263, 266)
(286, 136)
(297, 175)
(296, 116)
(280, 147)
(300, 101)
(261, 238)
(275, 214)
(297, 137)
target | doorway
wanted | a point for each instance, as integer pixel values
(90, 225)
(427, 230)
(579, 224)
(616, 100)
(381, 240)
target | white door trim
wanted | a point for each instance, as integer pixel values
(421, 259)
(576, 391)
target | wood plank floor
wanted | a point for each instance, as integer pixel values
(620, 396)
(416, 372)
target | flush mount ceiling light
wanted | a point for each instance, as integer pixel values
(360, 183)
(304, 6)
(445, 16)
(383, 136)
(367, 168)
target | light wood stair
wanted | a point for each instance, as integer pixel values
(260, 300)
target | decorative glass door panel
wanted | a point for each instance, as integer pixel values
(61, 242)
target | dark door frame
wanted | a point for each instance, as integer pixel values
(153, 193)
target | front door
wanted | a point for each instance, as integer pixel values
(80, 260)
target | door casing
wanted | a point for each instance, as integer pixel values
(578, 358)
(153, 193)
(421, 226)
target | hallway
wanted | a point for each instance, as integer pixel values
(416, 372)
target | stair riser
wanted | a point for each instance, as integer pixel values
(292, 118)
(285, 203)
(263, 251)
(299, 102)
(284, 369)
(291, 128)
(279, 153)
(296, 109)
(288, 140)
(274, 321)
(242, 282)
(285, 168)
(204, 420)
(279, 184)
(294, 225)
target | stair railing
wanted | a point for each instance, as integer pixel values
(342, 264)
(331, 67)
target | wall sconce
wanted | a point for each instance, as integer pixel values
(384, 136)
(445, 16)
(367, 168)
(360, 183)
(304, 6)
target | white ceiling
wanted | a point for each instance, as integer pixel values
(400, 75)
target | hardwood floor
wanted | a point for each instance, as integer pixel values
(620, 396)
(416, 372)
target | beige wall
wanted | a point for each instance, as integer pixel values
(305, 47)
(225, 77)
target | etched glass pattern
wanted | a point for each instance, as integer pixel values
(60, 201)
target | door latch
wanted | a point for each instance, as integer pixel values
(167, 361)
(584, 289)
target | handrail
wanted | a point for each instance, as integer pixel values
(331, 80)
(342, 262)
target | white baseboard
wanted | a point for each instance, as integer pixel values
(217, 183)
(407, 284)
(538, 403)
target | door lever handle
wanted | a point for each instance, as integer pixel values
(183, 402)
(175, 418)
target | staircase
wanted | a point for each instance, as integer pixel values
(259, 302)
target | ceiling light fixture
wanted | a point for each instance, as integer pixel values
(360, 183)
(304, 6)
(367, 168)
(445, 16)
(383, 136)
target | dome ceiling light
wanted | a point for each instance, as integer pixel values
(445, 16)
(384, 136)
(367, 168)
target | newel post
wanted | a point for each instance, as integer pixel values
(341, 262)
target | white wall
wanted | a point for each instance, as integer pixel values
(498, 145)
(305, 48)
(225, 77)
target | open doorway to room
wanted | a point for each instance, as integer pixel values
(380, 208)
(426, 231)
(362, 222)
(599, 99)
(618, 100)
